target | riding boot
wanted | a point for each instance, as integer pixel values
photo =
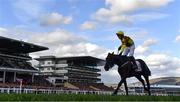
(135, 67)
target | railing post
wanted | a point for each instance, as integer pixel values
(4, 77)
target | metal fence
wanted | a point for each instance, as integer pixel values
(50, 91)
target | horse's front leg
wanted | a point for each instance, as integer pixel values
(120, 83)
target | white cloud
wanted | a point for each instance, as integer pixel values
(81, 49)
(163, 65)
(120, 6)
(149, 42)
(3, 31)
(88, 25)
(148, 16)
(18, 32)
(121, 11)
(113, 19)
(54, 19)
(157, 59)
(65, 43)
(177, 38)
(58, 36)
(141, 49)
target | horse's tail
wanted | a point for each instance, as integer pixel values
(145, 68)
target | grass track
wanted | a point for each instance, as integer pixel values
(80, 97)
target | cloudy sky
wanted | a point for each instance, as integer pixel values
(88, 27)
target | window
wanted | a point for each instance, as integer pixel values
(48, 62)
(62, 62)
(58, 81)
(41, 69)
(42, 63)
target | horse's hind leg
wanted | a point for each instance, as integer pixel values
(126, 88)
(142, 81)
(148, 84)
(120, 83)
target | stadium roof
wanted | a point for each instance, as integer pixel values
(97, 60)
(18, 46)
(81, 57)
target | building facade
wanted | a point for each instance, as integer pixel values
(81, 69)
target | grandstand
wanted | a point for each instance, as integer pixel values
(79, 71)
(14, 61)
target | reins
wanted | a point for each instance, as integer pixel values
(124, 64)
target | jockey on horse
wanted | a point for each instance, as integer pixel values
(127, 48)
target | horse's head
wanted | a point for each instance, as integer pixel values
(109, 61)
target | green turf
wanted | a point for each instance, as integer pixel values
(80, 97)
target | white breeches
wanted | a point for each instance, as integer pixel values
(129, 51)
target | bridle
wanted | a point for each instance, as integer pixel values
(110, 65)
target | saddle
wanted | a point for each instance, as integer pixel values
(139, 68)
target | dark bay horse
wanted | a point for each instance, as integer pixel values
(125, 70)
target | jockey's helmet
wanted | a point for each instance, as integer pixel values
(120, 33)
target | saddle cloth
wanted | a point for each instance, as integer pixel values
(139, 66)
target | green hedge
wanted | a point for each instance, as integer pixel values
(80, 97)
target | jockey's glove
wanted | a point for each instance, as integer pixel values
(119, 48)
(120, 53)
